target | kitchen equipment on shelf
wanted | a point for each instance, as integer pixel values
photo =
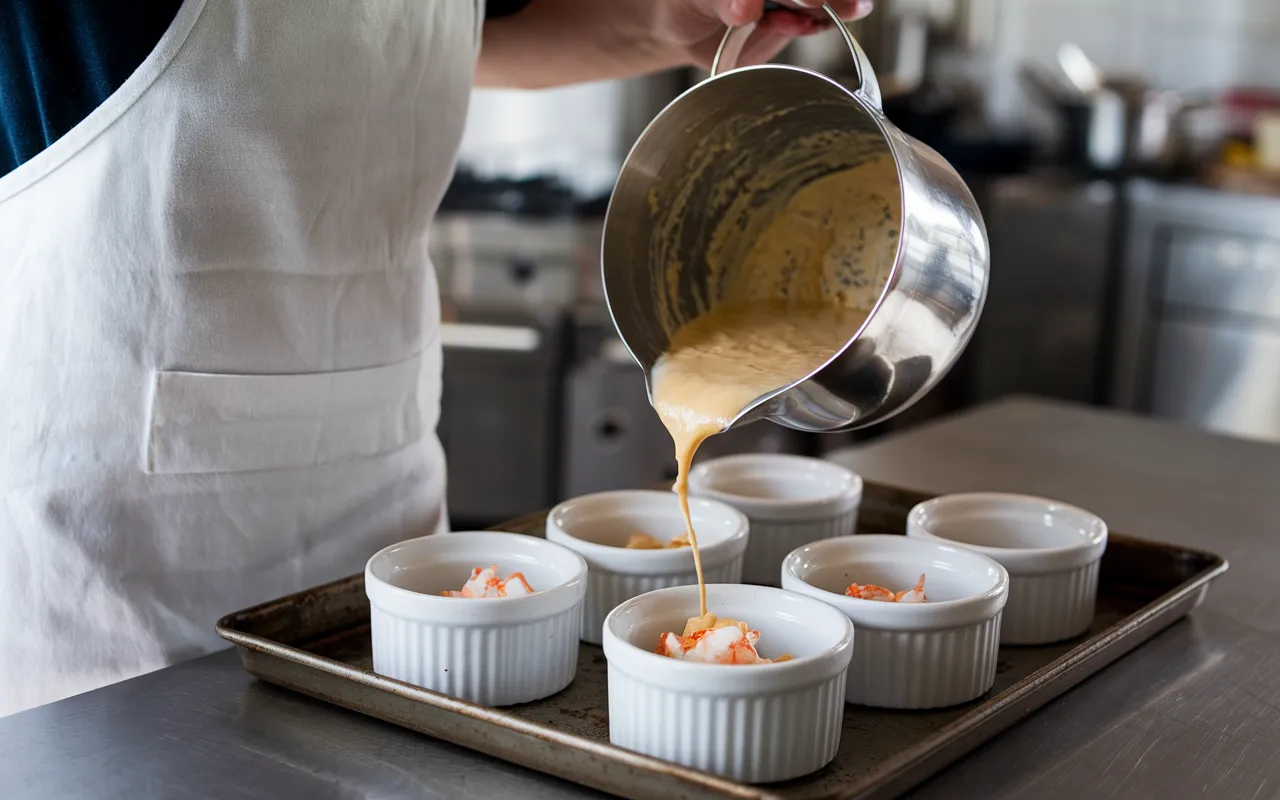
(1111, 123)
(751, 122)
(1079, 69)
(1051, 86)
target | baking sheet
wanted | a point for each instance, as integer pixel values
(317, 642)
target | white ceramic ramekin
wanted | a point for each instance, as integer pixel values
(756, 723)
(909, 655)
(495, 652)
(790, 501)
(1051, 550)
(596, 526)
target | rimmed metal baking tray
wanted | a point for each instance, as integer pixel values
(317, 642)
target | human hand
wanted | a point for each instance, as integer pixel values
(695, 27)
(557, 42)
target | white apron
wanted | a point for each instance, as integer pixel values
(219, 360)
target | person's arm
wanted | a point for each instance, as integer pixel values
(558, 42)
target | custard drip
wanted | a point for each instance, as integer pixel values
(721, 362)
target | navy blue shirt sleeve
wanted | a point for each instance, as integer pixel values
(503, 8)
(60, 59)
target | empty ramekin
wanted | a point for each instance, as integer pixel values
(596, 526)
(750, 722)
(790, 501)
(1051, 550)
(495, 652)
(909, 655)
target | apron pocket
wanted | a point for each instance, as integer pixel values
(206, 422)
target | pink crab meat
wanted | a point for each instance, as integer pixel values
(715, 641)
(869, 591)
(485, 584)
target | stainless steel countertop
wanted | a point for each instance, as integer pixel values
(1195, 712)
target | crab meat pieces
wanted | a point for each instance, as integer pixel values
(643, 541)
(485, 584)
(711, 640)
(869, 591)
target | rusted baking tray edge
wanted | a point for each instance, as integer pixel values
(628, 774)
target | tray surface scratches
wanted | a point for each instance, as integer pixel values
(317, 642)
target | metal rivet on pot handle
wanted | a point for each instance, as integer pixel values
(868, 87)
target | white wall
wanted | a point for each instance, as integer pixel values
(1176, 44)
(572, 132)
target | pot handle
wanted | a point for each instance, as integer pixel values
(868, 87)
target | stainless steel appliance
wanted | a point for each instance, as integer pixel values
(508, 283)
(1044, 326)
(612, 437)
(499, 411)
(1199, 313)
(495, 260)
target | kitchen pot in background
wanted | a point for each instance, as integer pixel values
(1112, 124)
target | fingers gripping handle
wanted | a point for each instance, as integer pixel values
(730, 49)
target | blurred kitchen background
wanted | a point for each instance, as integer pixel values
(1127, 157)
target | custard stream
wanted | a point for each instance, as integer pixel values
(718, 364)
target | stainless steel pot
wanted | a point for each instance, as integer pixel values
(1112, 124)
(744, 138)
(1126, 126)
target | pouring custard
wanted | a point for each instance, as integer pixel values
(714, 369)
(723, 361)
(786, 305)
